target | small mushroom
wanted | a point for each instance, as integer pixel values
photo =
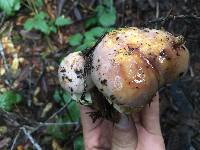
(72, 74)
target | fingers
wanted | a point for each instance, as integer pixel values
(124, 135)
(150, 118)
(97, 135)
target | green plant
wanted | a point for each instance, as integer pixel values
(73, 115)
(64, 97)
(106, 13)
(78, 143)
(95, 27)
(9, 99)
(9, 6)
(40, 21)
(62, 21)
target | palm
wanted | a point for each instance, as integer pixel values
(139, 132)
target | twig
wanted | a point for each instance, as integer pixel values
(60, 4)
(157, 12)
(191, 72)
(27, 133)
(52, 116)
(57, 112)
(15, 140)
(157, 9)
(163, 19)
(59, 124)
(4, 58)
(31, 130)
(75, 3)
(2, 16)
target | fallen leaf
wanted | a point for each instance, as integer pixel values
(46, 109)
(3, 130)
(2, 71)
(37, 91)
(20, 147)
(8, 45)
(15, 64)
(56, 145)
(4, 142)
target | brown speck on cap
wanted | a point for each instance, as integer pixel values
(104, 82)
(101, 90)
(181, 74)
(163, 54)
(145, 30)
(66, 77)
(112, 97)
(78, 71)
(71, 89)
(183, 47)
(63, 70)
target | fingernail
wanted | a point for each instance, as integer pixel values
(124, 122)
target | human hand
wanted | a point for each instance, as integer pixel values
(140, 131)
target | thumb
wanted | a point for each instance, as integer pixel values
(150, 116)
(124, 134)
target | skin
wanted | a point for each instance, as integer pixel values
(138, 132)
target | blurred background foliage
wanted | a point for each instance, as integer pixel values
(36, 113)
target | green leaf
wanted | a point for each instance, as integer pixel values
(87, 44)
(9, 6)
(74, 111)
(98, 31)
(8, 99)
(28, 25)
(42, 26)
(38, 22)
(62, 21)
(38, 3)
(67, 97)
(106, 13)
(108, 18)
(57, 96)
(78, 143)
(100, 9)
(88, 37)
(90, 22)
(40, 16)
(52, 28)
(58, 132)
(75, 39)
(16, 5)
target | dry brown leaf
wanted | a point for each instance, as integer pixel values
(4, 142)
(8, 45)
(37, 90)
(56, 145)
(2, 71)
(20, 147)
(15, 64)
(20, 20)
(46, 109)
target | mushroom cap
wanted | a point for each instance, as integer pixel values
(71, 74)
(130, 65)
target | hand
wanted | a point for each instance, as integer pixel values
(140, 131)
